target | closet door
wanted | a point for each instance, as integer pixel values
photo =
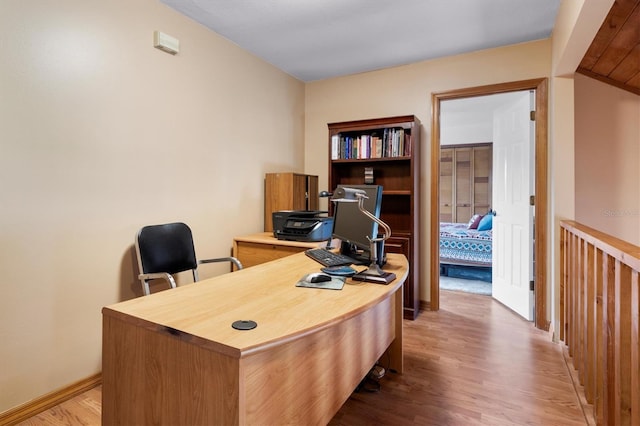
(463, 184)
(482, 158)
(465, 181)
(446, 184)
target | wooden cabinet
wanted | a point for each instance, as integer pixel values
(465, 181)
(289, 191)
(260, 248)
(388, 151)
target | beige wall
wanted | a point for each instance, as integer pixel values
(101, 134)
(407, 90)
(576, 24)
(607, 154)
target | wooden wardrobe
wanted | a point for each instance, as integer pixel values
(465, 181)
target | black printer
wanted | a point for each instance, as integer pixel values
(302, 225)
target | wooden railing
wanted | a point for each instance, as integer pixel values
(599, 313)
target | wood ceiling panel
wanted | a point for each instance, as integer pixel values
(635, 82)
(628, 68)
(616, 18)
(614, 54)
(623, 42)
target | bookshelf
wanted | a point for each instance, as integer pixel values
(385, 151)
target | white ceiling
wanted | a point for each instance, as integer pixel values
(319, 39)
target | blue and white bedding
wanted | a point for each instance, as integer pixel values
(462, 246)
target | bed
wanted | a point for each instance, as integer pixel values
(465, 253)
(462, 246)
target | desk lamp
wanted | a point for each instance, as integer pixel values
(327, 194)
(373, 273)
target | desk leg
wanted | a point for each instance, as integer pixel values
(394, 354)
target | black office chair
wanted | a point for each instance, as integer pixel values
(167, 249)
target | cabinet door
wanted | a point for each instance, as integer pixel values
(300, 193)
(411, 302)
(482, 158)
(313, 193)
(463, 185)
(446, 185)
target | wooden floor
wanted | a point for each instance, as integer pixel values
(472, 362)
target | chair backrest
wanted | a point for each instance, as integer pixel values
(166, 248)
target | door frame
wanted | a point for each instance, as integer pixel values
(541, 193)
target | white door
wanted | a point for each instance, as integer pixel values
(512, 187)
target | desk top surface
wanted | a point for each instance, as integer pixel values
(203, 312)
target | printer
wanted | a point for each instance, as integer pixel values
(302, 225)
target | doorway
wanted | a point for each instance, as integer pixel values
(540, 183)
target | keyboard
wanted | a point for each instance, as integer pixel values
(329, 258)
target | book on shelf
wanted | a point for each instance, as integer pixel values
(335, 147)
(394, 142)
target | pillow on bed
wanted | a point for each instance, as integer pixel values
(474, 221)
(486, 223)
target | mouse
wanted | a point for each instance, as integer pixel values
(318, 277)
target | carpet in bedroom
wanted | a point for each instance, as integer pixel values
(469, 286)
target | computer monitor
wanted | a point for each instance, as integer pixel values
(352, 227)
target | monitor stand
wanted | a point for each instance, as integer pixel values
(360, 257)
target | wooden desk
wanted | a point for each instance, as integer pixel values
(263, 247)
(173, 357)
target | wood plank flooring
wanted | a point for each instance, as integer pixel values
(474, 362)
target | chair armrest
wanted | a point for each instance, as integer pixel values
(222, 259)
(159, 276)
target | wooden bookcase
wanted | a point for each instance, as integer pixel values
(397, 169)
(465, 181)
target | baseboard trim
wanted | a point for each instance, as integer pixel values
(29, 409)
(588, 410)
